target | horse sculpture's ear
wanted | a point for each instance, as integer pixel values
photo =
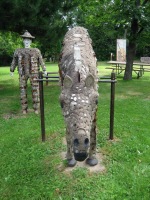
(67, 82)
(89, 81)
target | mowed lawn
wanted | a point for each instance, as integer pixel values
(34, 170)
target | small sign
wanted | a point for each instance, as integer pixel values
(121, 50)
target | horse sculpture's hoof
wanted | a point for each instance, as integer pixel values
(24, 112)
(36, 112)
(71, 162)
(92, 162)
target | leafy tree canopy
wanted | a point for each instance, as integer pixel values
(106, 20)
(42, 18)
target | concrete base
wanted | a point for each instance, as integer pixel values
(92, 169)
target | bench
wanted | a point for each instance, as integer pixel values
(110, 68)
(138, 67)
(52, 76)
(145, 60)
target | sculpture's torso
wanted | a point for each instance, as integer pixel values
(28, 60)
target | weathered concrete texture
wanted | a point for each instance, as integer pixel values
(28, 61)
(79, 95)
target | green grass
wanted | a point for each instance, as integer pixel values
(29, 169)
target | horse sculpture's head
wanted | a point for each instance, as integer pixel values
(79, 103)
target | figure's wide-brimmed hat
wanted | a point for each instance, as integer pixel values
(27, 35)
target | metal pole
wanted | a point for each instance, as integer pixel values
(47, 80)
(112, 101)
(42, 106)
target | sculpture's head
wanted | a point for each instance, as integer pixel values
(79, 103)
(27, 39)
(27, 43)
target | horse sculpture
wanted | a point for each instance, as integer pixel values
(79, 95)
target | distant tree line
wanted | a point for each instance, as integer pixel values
(49, 20)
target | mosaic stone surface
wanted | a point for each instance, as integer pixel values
(79, 95)
(28, 61)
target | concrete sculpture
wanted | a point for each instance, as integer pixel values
(79, 95)
(28, 61)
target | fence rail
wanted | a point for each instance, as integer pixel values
(112, 80)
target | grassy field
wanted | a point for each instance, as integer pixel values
(29, 169)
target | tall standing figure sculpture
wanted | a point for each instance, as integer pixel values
(79, 95)
(28, 61)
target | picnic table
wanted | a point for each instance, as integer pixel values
(138, 67)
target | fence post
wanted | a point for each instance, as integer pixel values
(112, 101)
(47, 79)
(42, 106)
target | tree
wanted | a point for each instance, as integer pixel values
(18, 15)
(9, 41)
(96, 17)
(108, 20)
(42, 18)
(134, 17)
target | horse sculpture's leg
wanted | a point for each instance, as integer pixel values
(92, 152)
(70, 158)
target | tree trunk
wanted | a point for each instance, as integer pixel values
(131, 50)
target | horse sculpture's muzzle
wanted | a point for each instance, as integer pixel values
(81, 146)
(80, 156)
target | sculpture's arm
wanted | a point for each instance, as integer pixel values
(14, 63)
(41, 62)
